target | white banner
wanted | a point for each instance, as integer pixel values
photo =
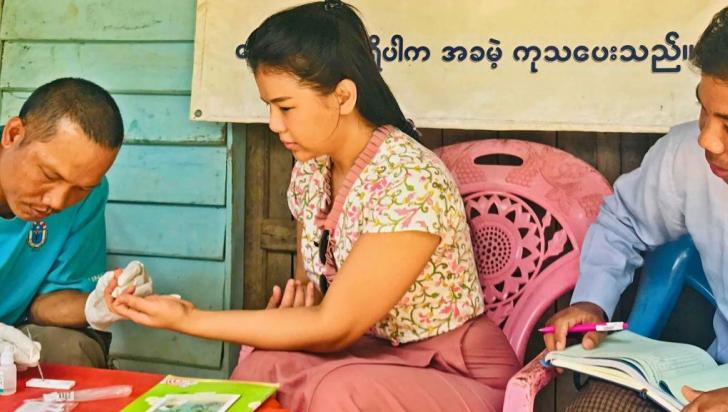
(617, 66)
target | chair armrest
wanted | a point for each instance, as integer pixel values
(524, 386)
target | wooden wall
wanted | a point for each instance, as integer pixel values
(170, 202)
(270, 238)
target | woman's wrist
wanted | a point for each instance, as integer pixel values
(191, 323)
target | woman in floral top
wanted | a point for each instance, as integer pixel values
(385, 311)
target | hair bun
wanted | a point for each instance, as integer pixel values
(332, 4)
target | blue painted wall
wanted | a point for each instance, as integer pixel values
(172, 189)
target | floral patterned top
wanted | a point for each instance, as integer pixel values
(395, 185)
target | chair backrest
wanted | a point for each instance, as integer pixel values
(666, 270)
(527, 222)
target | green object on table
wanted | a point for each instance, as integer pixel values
(211, 392)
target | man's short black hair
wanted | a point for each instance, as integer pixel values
(711, 51)
(81, 101)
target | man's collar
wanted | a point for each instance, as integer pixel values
(6, 216)
(5, 212)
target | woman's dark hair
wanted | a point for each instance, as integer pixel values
(711, 51)
(323, 43)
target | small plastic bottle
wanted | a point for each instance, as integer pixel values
(8, 372)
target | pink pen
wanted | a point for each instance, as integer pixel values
(590, 327)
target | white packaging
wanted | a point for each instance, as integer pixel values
(8, 372)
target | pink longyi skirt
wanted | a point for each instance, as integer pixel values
(463, 370)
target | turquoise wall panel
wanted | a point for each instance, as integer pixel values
(173, 276)
(169, 174)
(129, 67)
(171, 202)
(148, 118)
(164, 230)
(165, 119)
(113, 20)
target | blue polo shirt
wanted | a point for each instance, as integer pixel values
(73, 254)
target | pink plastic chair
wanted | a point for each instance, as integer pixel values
(527, 223)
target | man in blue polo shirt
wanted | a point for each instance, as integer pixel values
(53, 158)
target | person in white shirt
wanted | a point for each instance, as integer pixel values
(680, 188)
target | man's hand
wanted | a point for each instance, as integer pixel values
(26, 352)
(713, 401)
(293, 295)
(132, 280)
(581, 312)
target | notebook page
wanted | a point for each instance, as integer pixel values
(706, 380)
(655, 359)
(616, 376)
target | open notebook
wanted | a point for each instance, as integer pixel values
(655, 368)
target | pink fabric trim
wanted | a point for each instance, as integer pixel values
(245, 351)
(328, 219)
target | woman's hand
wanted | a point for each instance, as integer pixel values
(156, 311)
(295, 294)
(108, 292)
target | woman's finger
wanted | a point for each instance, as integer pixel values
(275, 298)
(113, 283)
(108, 298)
(310, 294)
(133, 315)
(288, 294)
(298, 300)
(137, 303)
